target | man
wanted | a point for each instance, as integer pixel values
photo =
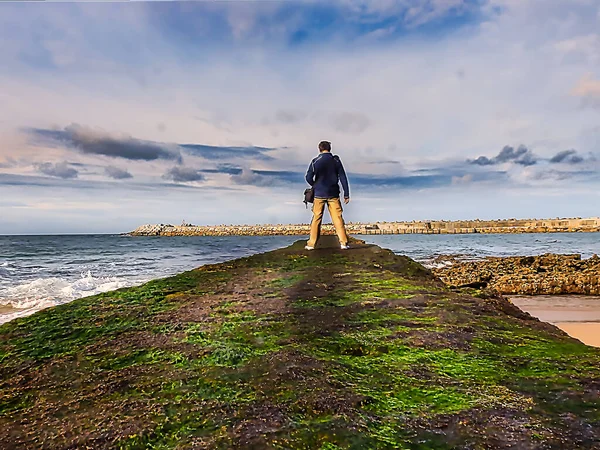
(324, 174)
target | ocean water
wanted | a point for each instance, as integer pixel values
(41, 271)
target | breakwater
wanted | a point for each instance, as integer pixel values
(327, 349)
(360, 228)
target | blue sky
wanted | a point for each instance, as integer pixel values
(118, 114)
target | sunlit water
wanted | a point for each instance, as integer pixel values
(41, 271)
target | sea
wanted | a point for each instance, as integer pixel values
(37, 272)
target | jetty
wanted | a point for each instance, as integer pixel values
(328, 349)
(359, 228)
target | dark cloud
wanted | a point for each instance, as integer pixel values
(58, 170)
(410, 181)
(528, 159)
(522, 155)
(228, 169)
(407, 181)
(97, 142)
(282, 175)
(383, 162)
(567, 156)
(116, 173)
(510, 154)
(560, 175)
(267, 177)
(482, 161)
(215, 153)
(183, 174)
(7, 179)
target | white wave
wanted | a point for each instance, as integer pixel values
(6, 269)
(41, 293)
(437, 265)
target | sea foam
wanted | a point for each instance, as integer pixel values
(41, 293)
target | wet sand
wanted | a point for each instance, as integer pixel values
(586, 332)
(8, 313)
(6, 309)
(579, 316)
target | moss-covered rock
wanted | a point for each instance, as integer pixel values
(326, 349)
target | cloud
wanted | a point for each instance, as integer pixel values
(291, 24)
(213, 152)
(183, 174)
(366, 181)
(521, 155)
(409, 14)
(588, 89)
(465, 179)
(8, 163)
(350, 122)
(287, 116)
(116, 173)
(567, 156)
(229, 169)
(58, 170)
(91, 141)
(98, 142)
(251, 178)
(562, 175)
(400, 182)
(384, 162)
(9, 179)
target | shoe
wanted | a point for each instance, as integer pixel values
(344, 247)
(308, 247)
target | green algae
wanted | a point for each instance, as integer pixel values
(367, 350)
(234, 342)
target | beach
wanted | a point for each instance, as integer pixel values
(579, 316)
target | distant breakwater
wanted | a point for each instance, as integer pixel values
(415, 227)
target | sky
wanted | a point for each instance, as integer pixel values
(114, 115)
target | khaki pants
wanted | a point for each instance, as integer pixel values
(334, 205)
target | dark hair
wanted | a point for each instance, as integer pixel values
(325, 146)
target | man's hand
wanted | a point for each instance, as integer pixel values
(346, 200)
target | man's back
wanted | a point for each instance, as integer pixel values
(324, 174)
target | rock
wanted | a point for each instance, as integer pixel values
(548, 274)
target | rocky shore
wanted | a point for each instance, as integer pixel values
(548, 274)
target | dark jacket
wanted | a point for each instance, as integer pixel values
(324, 174)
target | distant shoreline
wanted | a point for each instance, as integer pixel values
(572, 225)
